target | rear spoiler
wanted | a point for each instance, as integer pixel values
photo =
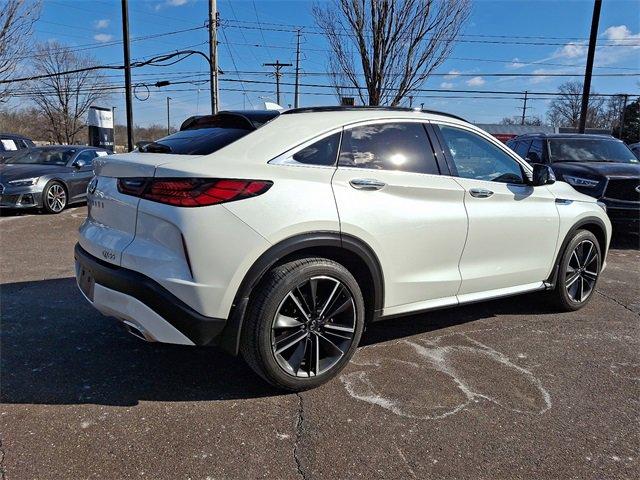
(246, 120)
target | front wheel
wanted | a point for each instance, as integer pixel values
(578, 272)
(304, 323)
(54, 197)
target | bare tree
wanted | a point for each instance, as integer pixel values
(16, 23)
(382, 50)
(65, 99)
(532, 120)
(564, 110)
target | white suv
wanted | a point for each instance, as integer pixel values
(281, 236)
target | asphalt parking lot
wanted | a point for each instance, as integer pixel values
(503, 389)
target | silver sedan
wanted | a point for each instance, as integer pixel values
(49, 177)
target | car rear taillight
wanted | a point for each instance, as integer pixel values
(192, 192)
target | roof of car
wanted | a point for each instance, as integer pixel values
(67, 147)
(14, 135)
(566, 135)
(341, 108)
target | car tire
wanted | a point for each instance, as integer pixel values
(322, 334)
(578, 272)
(54, 197)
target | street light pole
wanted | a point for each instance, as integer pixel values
(168, 118)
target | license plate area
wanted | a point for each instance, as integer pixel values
(86, 282)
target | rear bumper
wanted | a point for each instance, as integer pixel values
(142, 304)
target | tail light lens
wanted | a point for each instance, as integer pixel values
(192, 192)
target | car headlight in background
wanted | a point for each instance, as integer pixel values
(24, 182)
(580, 182)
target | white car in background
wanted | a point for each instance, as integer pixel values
(281, 235)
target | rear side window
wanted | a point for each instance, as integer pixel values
(322, 152)
(388, 146)
(201, 141)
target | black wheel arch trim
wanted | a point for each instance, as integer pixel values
(230, 337)
(552, 279)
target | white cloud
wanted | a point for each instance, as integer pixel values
(171, 3)
(621, 35)
(447, 85)
(571, 50)
(516, 63)
(541, 75)
(103, 37)
(476, 81)
(452, 74)
(102, 23)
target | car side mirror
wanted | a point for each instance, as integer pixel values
(542, 175)
(78, 163)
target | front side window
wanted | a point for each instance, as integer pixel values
(388, 146)
(477, 158)
(522, 147)
(534, 155)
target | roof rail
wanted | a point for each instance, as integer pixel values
(340, 108)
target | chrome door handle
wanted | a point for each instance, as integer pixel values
(366, 184)
(480, 192)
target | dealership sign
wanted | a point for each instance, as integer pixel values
(100, 123)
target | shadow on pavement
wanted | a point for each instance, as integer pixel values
(56, 349)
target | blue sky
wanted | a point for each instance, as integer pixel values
(562, 26)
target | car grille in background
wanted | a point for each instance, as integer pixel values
(1, 189)
(623, 189)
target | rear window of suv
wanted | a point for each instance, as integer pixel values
(201, 141)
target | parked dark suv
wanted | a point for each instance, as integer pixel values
(596, 165)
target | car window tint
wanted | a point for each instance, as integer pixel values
(388, 146)
(200, 141)
(534, 155)
(322, 152)
(522, 147)
(477, 158)
(590, 149)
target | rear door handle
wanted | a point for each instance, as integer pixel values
(480, 192)
(366, 184)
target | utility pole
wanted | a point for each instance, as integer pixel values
(595, 20)
(410, 101)
(168, 118)
(524, 107)
(127, 73)
(113, 119)
(277, 67)
(296, 93)
(213, 55)
(622, 112)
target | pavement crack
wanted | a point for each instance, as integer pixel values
(299, 431)
(613, 299)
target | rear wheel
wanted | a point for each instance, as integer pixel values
(578, 272)
(54, 197)
(304, 324)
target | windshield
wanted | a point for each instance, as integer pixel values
(589, 150)
(43, 156)
(201, 141)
